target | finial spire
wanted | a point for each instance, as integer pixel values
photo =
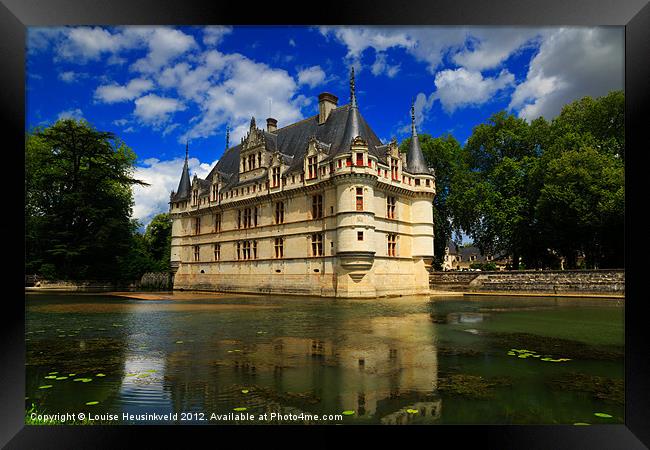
(252, 121)
(187, 149)
(413, 117)
(353, 97)
(227, 136)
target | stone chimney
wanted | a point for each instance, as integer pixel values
(326, 103)
(271, 125)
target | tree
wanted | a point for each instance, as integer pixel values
(493, 191)
(158, 238)
(78, 201)
(443, 155)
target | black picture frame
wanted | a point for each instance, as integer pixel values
(16, 15)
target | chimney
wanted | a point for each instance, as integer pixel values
(326, 103)
(271, 125)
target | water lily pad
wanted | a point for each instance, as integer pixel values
(582, 423)
(72, 374)
(412, 411)
(240, 409)
(604, 415)
(142, 375)
(151, 371)
(100, 375)
(61, 378)
(179, 342)
(131, 374)
(50, 377)
(511, 353)
(244, 391)
(348, 413)
(47, 386)
(92, 403)
(52, 373)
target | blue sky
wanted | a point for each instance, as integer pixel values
(157, 87)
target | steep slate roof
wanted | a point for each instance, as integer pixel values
(293, 139)
(184, 186)
(414, 158)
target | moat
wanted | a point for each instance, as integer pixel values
(407, 360)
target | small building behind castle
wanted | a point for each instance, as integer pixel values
(318, 207)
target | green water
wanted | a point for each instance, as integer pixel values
(392, 361)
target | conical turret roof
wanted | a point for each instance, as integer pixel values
(415, 162)
(184, 186)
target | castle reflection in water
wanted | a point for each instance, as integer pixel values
(378, 367)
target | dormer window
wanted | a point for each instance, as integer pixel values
(394, 164)
(359, 159)
(312, 162)
(195, 197)
(276, 177)
(215, 192)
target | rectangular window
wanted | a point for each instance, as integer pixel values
(359, 235)
(214, 192)
(255, 216)
(417, 181)
(359, 159)
(246, 250)
(317, 244)
(217, 222)
(195, 197)
(317, 206)
(311, 165)
(279, 212)
(359, 199)
(239, 218)
(197, 225)
(196, 252)
(279, 247)
(238, 250)
(254, 249)
(340, 163)
(394, 162)
(390, 207)
(276, 177)
(348, 161)
(392, 245)
(217, 252)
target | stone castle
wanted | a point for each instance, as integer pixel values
(319, 207)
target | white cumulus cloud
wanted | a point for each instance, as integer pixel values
(155, 110)
(311, 76)
(460, 87)
(114, 93)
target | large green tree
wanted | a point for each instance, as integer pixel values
(78, 201)
(443, 155)
(493, 192)
(158, 238)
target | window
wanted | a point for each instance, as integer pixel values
(279, 212)
(247, 218)
(417, 181)
(311, 163)
(196, 253)
(392, 244)
(195, 197)
(197, 225)
(317, 206)
(279, 247)
(390, 207)
(276, 177)
(317, 244)
(217, 222)
(215, 192)
(348, 161)
(428, 182)
(255, 216)
(246, 250)
(238, 250)
(217, 252)
(331, 166)
(359, 159)
(394, 162)
(340, 163)
(239, 218)
(359, 235)
(359, 199)
(254, 249)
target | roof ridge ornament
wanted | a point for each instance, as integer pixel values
(353, 96)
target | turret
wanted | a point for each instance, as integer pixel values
(416, 163)
(184, 186)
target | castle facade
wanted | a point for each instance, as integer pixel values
(319, 207)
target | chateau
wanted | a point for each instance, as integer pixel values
(319, 207)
